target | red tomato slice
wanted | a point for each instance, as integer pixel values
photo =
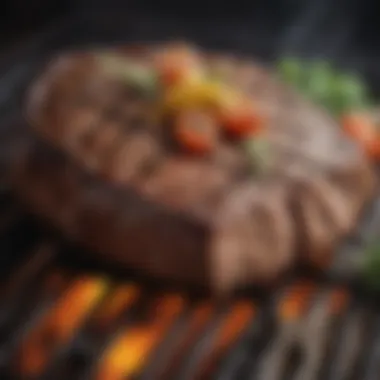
(196, 131)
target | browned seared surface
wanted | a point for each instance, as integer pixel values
(98, 164)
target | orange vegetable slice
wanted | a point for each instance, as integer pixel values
(196, 131)
(242, 120)
(178, 62)
(362, 129)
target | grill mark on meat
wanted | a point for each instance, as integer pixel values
(340, 207)
(271, 223)
(228, 255)
(232, 160)
(142, 116)
(315, 229)
(139, 235)
(334, 205)
(356, 183)
(334, 199)
(105, 141)
(348, 176)
(206, 220)
(316, 196)
(81, 122)
(132, 153)
(135, 155)
(113, 113)
(136, 110)
(101, 146)
(47, 183)
(241, 234)
(180, 183)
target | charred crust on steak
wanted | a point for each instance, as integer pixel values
(101, 166)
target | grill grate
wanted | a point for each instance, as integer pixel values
(58, 321)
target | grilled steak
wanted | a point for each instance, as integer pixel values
(101, 163)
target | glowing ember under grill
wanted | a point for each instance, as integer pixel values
(127, 326)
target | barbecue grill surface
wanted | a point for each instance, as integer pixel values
(58, 321)
(309, 328)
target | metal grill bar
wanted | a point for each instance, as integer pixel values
(71, 325)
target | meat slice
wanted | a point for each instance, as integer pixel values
(254, 237)
(232, 159)
(46, 182)
(187, 185)
(99, 166)
(327, 196)
(134, 156)
(118, 225)
(321, 215)
(247, 236)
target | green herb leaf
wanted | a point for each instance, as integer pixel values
(352, 92)
(371, 266)
(133, 73)
(291, 71)
(321, 83)
(258, 150)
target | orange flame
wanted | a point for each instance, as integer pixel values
(200, 316)
(126, 356)
(118, 301)
(296, 300)
(235, 323)
(198, 319)
(59, 324)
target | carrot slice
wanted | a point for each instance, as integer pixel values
(178, 62)
(362, 129)
(373, 148)
(196, 131)
(242, 120)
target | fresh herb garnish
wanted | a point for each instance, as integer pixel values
(338, 92)
(371, 266)
(291, 71)
(133, 73)
(259, 153)
(319, 82)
